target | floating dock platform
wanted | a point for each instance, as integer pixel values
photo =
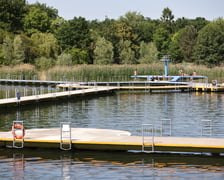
(112, 140)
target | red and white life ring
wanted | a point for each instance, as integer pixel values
(16, 127)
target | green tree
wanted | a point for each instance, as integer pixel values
(187, 42)
(1, 55)
(7, 50)
(29, 48)
(182, 44)
(167, 19)
(126, 44)
(174, 49)
(209, 48)
(74, 33)
(148, 53)
(142, 27)
(11, 14)
(161, 38)
(199, 23)
(36, 21)
(108, 30)
(133, 20)
(64, 59)
(125, 32)
(19, 50)
(103, 52)
(79, 56)
(56, 23)
(44, 63)
(127, 55)
(147, 29)
(46, 45)
(52, 13)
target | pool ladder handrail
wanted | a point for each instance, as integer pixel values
(18, 143)
(149, 129)
(65, 134)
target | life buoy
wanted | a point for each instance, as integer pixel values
(18, 126)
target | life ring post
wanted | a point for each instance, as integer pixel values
(18, 133)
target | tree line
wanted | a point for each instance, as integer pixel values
(36, 34)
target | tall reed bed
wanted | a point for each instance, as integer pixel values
(124, 72)
(105, 72)
(98, 73)
(24, 71)
(91, 73)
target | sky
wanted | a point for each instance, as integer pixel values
(113, 9)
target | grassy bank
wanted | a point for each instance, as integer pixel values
(105, 72)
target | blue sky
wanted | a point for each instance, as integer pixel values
(99, 9)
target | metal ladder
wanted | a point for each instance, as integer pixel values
(18, 142)
(65, 131)
(206, 127)
(147, 130)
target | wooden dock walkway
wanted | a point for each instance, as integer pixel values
(124, 85)
(30, 82)
(113, 140)
(49, 96)
(206, 87)
(130, 86)
(77, 89)
(150, 86)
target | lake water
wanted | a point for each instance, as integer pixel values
(171, 113)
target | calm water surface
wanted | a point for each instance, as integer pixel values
(55, 164)
(188, 114)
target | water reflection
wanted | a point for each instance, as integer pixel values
(18, 165)
(55, 164)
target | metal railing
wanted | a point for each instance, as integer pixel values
(147, 137)
(65, 134)
(18, 133)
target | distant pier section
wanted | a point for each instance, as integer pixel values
(93, 88)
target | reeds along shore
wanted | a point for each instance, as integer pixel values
(105, 72)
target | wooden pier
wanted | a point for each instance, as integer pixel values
(206, 87)
(150, 86)
(91, 88)
(113, 140)
(49, 96)
(30, 82)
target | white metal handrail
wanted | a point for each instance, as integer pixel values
(18, 139)
(65, 132)
(147, 128)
